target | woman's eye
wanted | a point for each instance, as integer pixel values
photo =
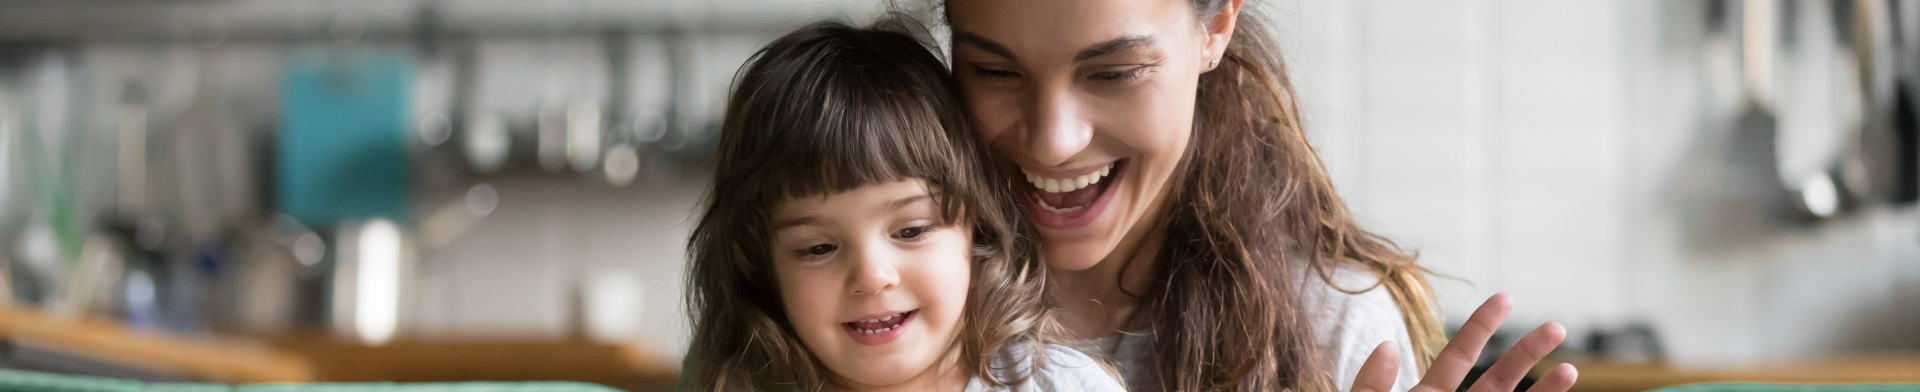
(994, 73)
(816, 251)
(911, 233)
(1115, 76)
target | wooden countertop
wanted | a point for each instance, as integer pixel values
(1834, 369)
(316, 358)
(618, 365)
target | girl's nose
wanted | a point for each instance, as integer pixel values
(874, 272)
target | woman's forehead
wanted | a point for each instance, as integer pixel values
(1065, 28)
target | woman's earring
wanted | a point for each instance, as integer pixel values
(1214, 64)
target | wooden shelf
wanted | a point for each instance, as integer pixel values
(317, 358)
(210, 359)
(617, 365)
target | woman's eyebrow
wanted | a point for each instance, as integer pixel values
(962, 36)
(1114, 46)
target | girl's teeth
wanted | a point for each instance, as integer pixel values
(888, 318)
(1052, 185)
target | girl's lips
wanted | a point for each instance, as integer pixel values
(881, 332)
(1074, 218)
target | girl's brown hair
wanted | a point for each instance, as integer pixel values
(827, 109)
(1254, 207)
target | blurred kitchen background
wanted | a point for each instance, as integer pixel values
(419, 190)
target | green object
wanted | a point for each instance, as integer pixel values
(25, 381)
(1759, 387)
(342, 151)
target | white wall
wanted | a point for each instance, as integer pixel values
(1573, 153)
(1577, 154)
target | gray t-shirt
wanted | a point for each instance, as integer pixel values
(1348, 326)
(1065, 370)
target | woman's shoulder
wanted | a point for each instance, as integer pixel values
(1348, 290)
(1351, 312)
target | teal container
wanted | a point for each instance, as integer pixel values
(342, 147)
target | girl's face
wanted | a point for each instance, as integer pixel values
(1094, 100)
(874, 282)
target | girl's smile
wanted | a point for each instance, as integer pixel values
(878, 330)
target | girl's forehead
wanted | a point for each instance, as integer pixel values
(870, 199)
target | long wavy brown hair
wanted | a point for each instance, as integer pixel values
(1253, 215)
(827, 109)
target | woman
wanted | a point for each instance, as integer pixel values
(1195, 237)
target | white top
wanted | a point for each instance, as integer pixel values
(1348, 327)
(1066, 370)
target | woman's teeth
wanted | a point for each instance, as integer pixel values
(1052, 185)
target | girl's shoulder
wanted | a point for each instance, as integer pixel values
(1063, 369)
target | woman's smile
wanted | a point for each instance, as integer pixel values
(1072, 200)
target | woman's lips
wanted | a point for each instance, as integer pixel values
(878, 330)
(1072, 202)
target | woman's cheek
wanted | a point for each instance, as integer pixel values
(994, 112)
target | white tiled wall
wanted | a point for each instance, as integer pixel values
(1575, 154)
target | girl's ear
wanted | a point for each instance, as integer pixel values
(1219, 32)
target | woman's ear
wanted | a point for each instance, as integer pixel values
(1219, 32)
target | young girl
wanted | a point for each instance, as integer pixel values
(856, 239)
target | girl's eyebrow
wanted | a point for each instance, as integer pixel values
(896, 204)
(909, 200)
(801, 221)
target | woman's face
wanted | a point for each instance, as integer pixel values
(1094, 100)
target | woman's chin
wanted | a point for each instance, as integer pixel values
(1078, 256)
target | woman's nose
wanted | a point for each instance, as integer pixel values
(1056, 128)
(874, 272)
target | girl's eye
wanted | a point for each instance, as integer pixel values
(912, 233)
(816, 252)
(1115, 76)
(820, 249)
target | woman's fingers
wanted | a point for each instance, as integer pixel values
(1458, 357)
(1380, 370)
(1558, 380)
(1507, 372)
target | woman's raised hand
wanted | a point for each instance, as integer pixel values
(1451, 367)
